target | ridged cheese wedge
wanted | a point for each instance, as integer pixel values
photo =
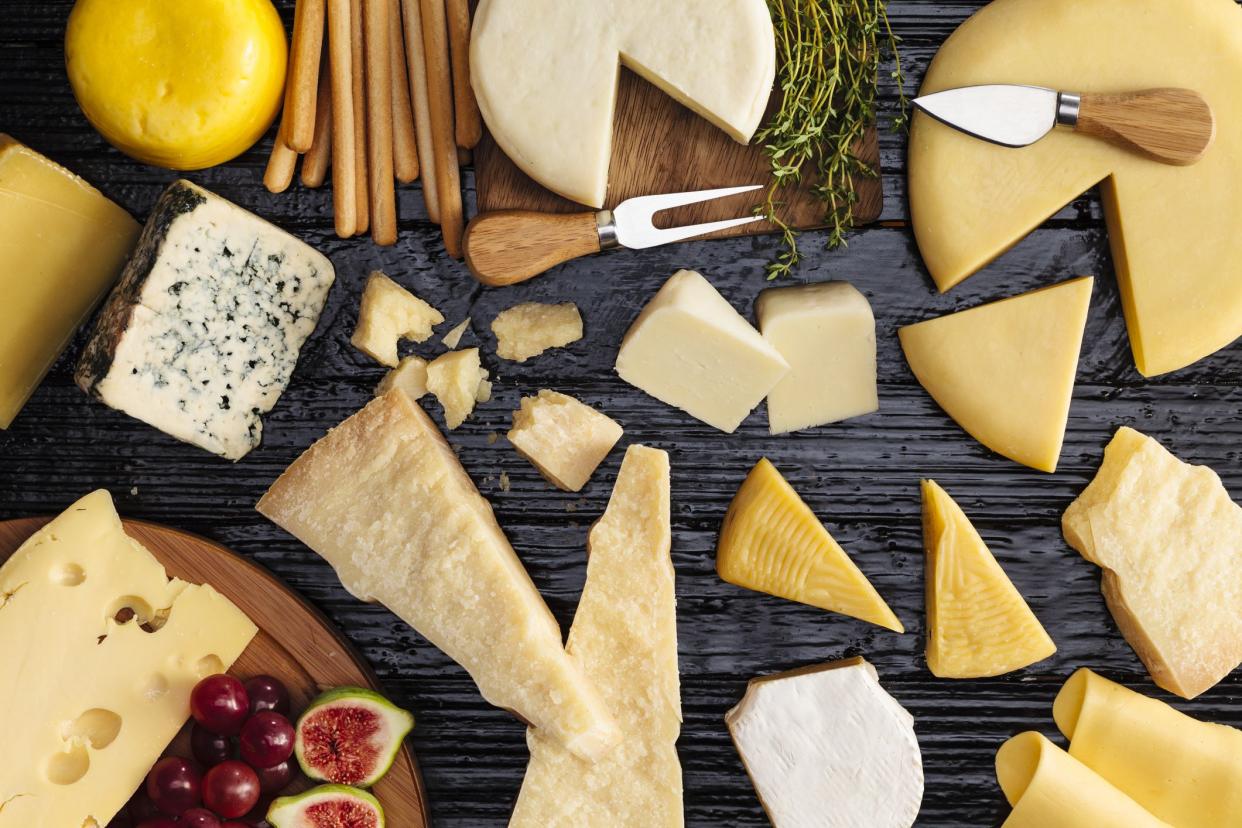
(1005, 371)
(977, 622)
(772, 542)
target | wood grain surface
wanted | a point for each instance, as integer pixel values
(295, 642)
(861, 477)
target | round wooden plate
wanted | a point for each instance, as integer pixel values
(295, 642)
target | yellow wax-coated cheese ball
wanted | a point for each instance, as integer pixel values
(184, 84)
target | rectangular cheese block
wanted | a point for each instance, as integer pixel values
(689, 348)
(201, 335)
(62, 245)
(826, 333)
(564, 438)
(87, 704)
(625, 637)
(384, 500)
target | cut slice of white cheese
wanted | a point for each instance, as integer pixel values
(384, 499)
(545, 74)
(827, 747)
(89, 703)
(689, 348)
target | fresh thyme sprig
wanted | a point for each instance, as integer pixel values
(827, 55)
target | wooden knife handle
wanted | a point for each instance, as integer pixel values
(1173, 126)
(510, 246)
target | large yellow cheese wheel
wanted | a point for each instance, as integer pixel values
(184, 84)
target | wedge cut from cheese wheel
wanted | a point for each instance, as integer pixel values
(772, 542)
(90, 702)
(545, 74)
(384, 500)
(826, 745)
(977, 622)
(1186, 772)
(1048, 787)
(1005, 371)
(1169, 541)
(624, 636)
(1175, 232)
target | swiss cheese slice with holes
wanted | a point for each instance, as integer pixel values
(1175, 232)
(545, 74)
(87, 703)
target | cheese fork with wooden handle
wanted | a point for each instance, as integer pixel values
(510, 246)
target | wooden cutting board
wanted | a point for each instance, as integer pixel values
(659, 146)
(295, 643)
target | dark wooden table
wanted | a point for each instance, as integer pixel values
(861, 477)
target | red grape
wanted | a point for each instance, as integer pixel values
(198, 818)
(220, 704)
(231, 789)
(266, 739)
(267, 693)
(276, 778)
(141, 807)
(209, 748)
(174, 785)
(158, 822)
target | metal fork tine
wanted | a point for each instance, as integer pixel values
(636, 229)
(649, 205)
(675, 234)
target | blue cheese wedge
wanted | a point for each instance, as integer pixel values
(201, 335)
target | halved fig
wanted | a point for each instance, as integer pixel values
(328, 806)
(350, 736)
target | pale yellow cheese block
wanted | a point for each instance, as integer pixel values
(1048, 788)
(563, 438)
(1169, 541)
(977, 622)
(1176, 232)
(625, 637)
(62, 245)
(1187, 772)
(1005, 371)
(88, 704)
(384, 500)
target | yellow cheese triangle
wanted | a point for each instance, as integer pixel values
(772, 542)
(1005, 371)
(977, 623)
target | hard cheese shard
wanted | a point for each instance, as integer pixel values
(625, 637)
(772, 542)
(384, 500)
(1169, 540)
(545, 74)
(202, 333)
(977, 623)
(62, 245)
(564, 438)
(827, 745)
(1176, 232)
(88, 704)
(1184, 771)
(1005, 371)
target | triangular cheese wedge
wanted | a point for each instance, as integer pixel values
(977, 623)
(545, 75)
(1175, 232)
(772, 542)
(1005, 371)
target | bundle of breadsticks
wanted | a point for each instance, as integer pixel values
(379, 91)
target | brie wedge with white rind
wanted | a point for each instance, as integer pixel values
(545, 74)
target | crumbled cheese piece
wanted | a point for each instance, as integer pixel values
(390, 313)
(504, 481)
(484, 394)
(410, 376)
(453, 338)
(455, 378)
(527, 330)
(564, 439)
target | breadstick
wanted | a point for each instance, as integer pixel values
(440, 98)
(300, 90)
(279, 173)
(416, 63)
(404, 144)
(469, 122)
(362, 202)
(379, 121)
(344, 167)
(315, 163)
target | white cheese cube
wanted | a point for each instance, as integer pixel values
(390, 313)
(563, 438)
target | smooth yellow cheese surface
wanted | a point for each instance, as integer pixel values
(183, 84)
(1005, 371)
(772, 542)
(387, 314)
(455, 379)
(1168, 538)
(1175, 232)
(384, 499)
(977, 622)
(564, 438)
(62, 245)
(1048, 788)
(625, 637)
(1187, 772)
(87, 704)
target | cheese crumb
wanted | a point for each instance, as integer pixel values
(527, 330)
(504, 481)
(410, 376)
(564, 439)
(453, 338)
(455, 379)
(389, 313)
(493, 437)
